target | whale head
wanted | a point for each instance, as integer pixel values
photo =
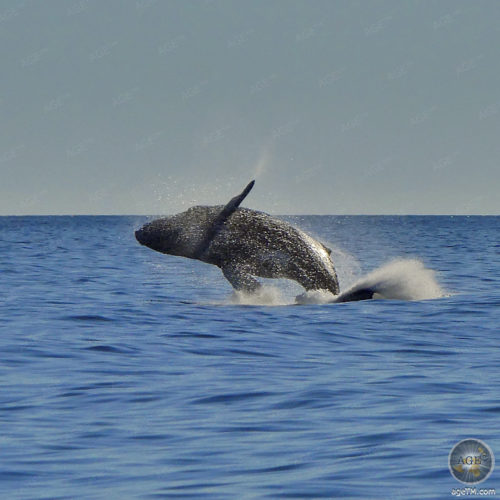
(190, 233)
(162, 235)
(175, 235)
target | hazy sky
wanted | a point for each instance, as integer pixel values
(334, 107)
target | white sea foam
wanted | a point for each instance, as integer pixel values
(315, 297)
(402, 279)
(267, 295)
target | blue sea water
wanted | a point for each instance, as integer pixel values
(125, 373)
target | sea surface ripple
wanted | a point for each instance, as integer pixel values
(125, 373)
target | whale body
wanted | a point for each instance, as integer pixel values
(246, 244)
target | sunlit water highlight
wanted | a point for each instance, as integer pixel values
(127, 373)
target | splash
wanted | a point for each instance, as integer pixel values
(347, 267)
(401, 279)
(265, 296)
(406, 279)
(315, 297)
(262, 163)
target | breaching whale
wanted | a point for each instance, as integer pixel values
(246, 244)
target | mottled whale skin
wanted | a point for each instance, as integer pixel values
(244, 244)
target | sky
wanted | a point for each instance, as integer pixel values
(333, 106)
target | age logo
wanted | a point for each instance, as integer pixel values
(471, 461)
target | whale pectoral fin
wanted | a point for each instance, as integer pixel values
(240, 280)
(221, 218)
(234, 203)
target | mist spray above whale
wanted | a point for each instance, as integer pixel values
(246, 244)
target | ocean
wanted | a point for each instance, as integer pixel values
(125, 373)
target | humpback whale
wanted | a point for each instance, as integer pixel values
(246, 244)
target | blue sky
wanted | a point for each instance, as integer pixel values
(334, 107)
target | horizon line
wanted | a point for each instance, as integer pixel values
(275, 215)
